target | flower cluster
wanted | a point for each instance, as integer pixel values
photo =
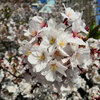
(54, 52)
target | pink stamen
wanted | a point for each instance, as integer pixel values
(87, 28)
(75, 34)
(43, 24)
(65, 21)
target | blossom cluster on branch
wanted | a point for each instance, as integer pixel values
(57, 52)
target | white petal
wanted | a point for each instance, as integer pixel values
(63, 52)
(45, 71)
(76, 40)
(51, 48)
(32, 59)
(83, 30)
(34, 24)
(64, 15)
(50, 76)
(45, 42)
(51, 23)
(61, 70)
(40, 67)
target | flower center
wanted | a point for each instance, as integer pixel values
(52, 40)
(61, 43)
(53, 67)
(42, 24)
(57, 54)
(28, 53)
(33, 33)
(77, 56)
(75, 34)
(69, 14)
(41, 57)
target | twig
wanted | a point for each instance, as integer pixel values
(67, 27)
(10, 73)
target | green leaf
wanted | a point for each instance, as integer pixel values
(94, 32)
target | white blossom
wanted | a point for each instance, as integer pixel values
(39, 57)
(71, 14)
(53, 71)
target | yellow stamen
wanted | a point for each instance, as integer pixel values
(33, 33)
(53, 67)
(41, 57)
(52, 41)
(28, 53)
(42, 23)
(61, 43)
(75, 34)
(69, 14)
(77, 56)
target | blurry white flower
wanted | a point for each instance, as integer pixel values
(94, 92)
(75, 40)
(71, 14)
(25, 89)
(50, 39)
(35, 26)
(81, 58)
(62, 39)
(65, 91)
(51, 25)
(39, 57)
(25, 48)
(12, 37)
(78, 26)
(6, 63)
(72, 76)
(58, 53)
(9, 91)
(12, 89)
(94, 43)
(54, 71)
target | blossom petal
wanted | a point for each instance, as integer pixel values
(40, 67)
(64, 15)
(76, 40)
(32, 59)
(50, 76)
(61, 70)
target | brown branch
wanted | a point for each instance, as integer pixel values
(10, 72)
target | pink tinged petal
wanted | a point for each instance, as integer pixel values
(32, 59)
(51, 76)
(40, 67)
